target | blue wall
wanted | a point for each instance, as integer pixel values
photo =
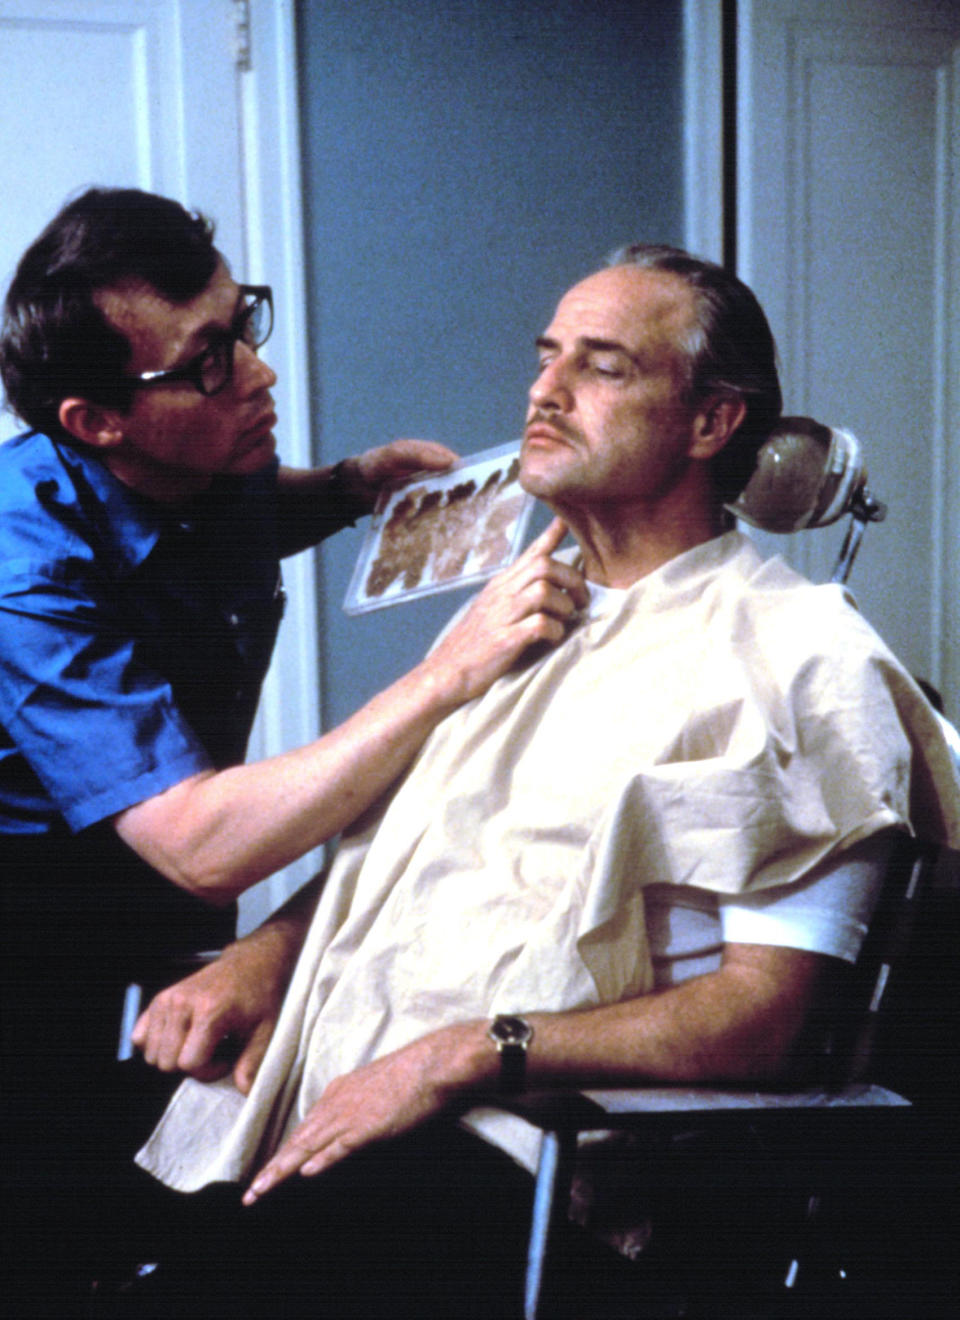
(465, 161)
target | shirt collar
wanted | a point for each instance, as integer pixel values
(136, 522)
(687, 573)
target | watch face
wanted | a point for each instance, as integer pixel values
(511, 1030)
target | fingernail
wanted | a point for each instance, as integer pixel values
(253, 1192)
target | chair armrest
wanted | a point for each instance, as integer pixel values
(657, 1113)
(159, 973)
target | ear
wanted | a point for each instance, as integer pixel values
(92, 423)
(715, 423)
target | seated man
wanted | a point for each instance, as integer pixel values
(712, 731)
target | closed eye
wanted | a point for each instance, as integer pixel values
(615, 368)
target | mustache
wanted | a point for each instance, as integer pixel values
(558, 424)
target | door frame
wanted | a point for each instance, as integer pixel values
(290, 713)
(710, 163)
(704, 147)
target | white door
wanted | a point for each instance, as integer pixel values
(178, 97)
(848, 201)
(139, 93)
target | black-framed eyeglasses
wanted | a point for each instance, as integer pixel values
(212, 370)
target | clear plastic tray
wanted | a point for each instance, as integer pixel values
(441, 530)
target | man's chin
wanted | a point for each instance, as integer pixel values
(543, 475)
(256, 458)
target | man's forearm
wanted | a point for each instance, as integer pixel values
(741, 1023)
(738, 1024)
(219, 832)
(313, 504)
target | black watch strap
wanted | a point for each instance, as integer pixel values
(347, 494)
(511, 1035)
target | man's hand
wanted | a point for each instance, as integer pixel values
(380, 1100)
(232, 1003)
(400, 459)
(307, 509)
(534, 600)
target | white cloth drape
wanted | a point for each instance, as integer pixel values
(722, 724)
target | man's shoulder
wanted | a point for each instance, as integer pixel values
(33, 464)
(24, 459)
(55, 508)
(770, 588)
(793, 627)
(730, 579)
(29, 471)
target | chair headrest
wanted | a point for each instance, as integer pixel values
(807, 475)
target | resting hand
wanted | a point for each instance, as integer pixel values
(380, 1100)
(533, 600)
(400, 459)
(234, 1002)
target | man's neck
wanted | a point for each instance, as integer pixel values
(155, 482)
(622, 545)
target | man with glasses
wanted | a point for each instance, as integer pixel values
(143, 518)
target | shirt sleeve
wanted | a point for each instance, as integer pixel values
(827, 912)
(99, 729)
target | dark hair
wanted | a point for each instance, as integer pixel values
(732, 349)
(55, 341)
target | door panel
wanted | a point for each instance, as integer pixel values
(132, 93)
(848, 220)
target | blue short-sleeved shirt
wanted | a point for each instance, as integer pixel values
(134, 637)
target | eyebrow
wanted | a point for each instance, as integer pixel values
(199, 340)
(586, 342)
(589, 342)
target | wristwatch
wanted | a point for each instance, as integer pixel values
(348, 492)
(511, 1035)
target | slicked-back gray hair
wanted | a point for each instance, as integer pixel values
(732, 349)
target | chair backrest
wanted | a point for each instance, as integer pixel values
(890, 1007)
(886, 1020)
(864, 991)
(953, 739)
